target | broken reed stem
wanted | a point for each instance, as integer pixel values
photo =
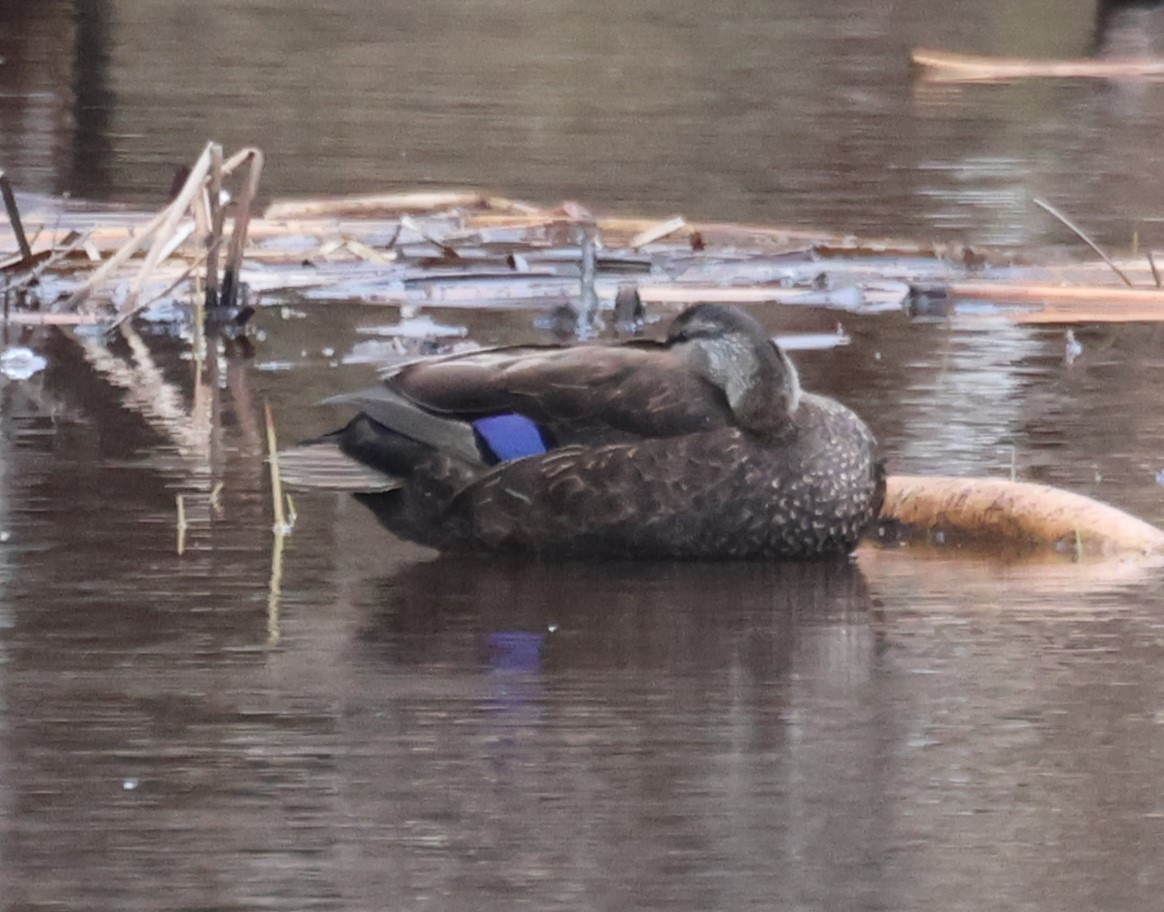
(181, 525)
(14, 218)
(280, 529)
(169, 227)
(57, 256)
(276, 481)
(1051, 210)
(242, 221)
(588, 253)
(407, 221)
(182, 277)
(217, 217)
(657, 232)
(1152, 265)
(164, 234)
(275, 588)
(127, 250)
(146, 234)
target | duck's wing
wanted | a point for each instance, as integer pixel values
(581, 394)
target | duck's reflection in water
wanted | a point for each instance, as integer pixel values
(682, 616)
(655, 732)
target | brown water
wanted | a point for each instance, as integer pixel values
(362, 725)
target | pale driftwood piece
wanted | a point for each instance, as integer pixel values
(657, 232)
(47, 318)
(997, 514)
(885, 292)
(715, 294)
(383, 202)
(408, 222)
(366, 253)
(624, 228)
(944, 66)
(505, 204)
(620, 231)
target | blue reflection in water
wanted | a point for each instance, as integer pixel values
(515, 650)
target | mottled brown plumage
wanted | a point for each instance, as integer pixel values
(702, 446)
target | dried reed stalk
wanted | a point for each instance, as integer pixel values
(14, 219)
(216, 215)
(238, 237)
(276, 481)
(1047, 207)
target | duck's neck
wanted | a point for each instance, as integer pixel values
(762, 387)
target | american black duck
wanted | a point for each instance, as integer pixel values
(700, 446)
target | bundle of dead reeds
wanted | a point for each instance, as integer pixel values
(471, 249)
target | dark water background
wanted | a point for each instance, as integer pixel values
(365, 726)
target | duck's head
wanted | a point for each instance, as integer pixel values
(731, 350)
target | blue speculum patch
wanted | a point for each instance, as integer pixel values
(510, 436)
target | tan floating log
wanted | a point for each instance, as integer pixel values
(944, 66)
(999, 515)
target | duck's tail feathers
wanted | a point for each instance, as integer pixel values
(398, 414)
(322, 464)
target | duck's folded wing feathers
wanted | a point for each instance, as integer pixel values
(582, 394)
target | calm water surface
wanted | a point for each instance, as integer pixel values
(355, 723)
